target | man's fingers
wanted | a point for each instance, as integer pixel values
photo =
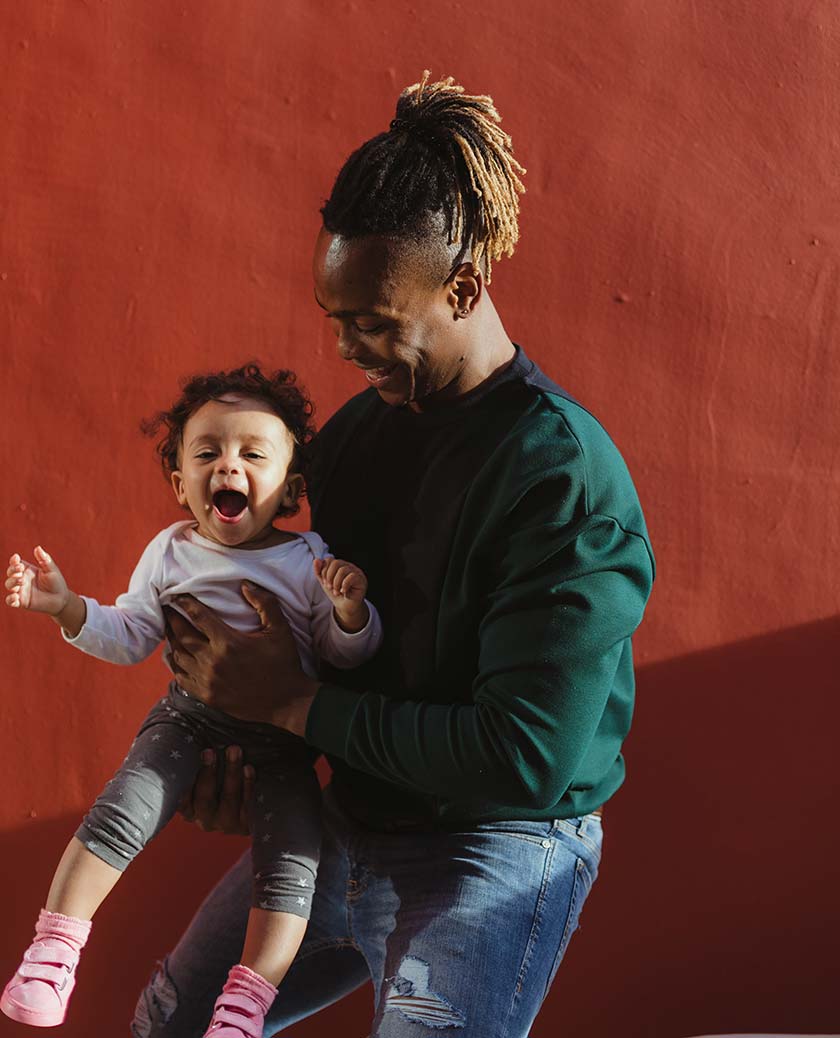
(185, 807)
(179, 628)
(266, 604)
(201, 618)
(185, 642)
(182, 677)
(232, 785)
(231, 804)
(204, 799)
(248, 777)
(225, 811)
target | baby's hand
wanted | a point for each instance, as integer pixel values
(345, 586)
(38, 586)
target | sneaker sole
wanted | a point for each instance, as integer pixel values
(33, 1017)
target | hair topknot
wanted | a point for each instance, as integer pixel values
(444, 153)
(278, 389)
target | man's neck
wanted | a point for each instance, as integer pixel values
(488, 351)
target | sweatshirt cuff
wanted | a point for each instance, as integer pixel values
(331, 719)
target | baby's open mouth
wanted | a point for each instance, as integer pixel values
(229, 504)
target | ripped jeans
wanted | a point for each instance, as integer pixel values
(458, 931)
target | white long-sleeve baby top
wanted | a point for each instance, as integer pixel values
(179, 561)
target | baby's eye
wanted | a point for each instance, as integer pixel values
(253, 455)
(369, 329)
(205, 455)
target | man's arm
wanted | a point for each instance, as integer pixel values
(551, 640)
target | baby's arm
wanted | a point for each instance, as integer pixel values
(345, 586)
(41, 588)
(346, 627)
(124, 633)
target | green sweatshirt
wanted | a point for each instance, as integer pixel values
(508, 555)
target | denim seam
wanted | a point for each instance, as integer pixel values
(324, 944)
(580, 865)
(567, 932)
(538, 840)
(583, 865)
(533, 935)
(497, 829)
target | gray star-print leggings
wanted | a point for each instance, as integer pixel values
(161, 766)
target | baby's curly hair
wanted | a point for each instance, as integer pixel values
(278, 389)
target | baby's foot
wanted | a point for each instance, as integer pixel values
(240, 1009)
(39, 991)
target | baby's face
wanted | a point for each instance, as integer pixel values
(234, 470)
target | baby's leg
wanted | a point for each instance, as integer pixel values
(133, 807)
(285, 821)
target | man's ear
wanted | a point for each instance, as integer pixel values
(292, 490)
(465, 288)
(177, 481)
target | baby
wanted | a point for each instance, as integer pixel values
(233, 453)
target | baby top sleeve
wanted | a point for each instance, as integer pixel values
(131, 629)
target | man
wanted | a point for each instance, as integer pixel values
(507, 553)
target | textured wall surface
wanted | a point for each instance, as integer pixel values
(161, 168)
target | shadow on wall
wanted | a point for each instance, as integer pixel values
(717, 906)
(719, 903)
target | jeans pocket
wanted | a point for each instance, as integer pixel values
(586, 830)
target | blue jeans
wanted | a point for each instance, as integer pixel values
(457, 930)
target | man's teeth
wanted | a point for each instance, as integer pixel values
(377, 373)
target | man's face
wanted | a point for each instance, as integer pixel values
(394, 319)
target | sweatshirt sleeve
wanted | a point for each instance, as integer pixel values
(566, 597)
(340, 648)
(131, 629)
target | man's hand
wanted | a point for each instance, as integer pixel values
(224, 810)
(252, 675)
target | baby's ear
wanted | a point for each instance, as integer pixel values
(177, 481)
(292, 490)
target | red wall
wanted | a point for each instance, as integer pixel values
(679, 271)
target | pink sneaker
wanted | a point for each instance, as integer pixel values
(40, 990)
(240, 1009)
